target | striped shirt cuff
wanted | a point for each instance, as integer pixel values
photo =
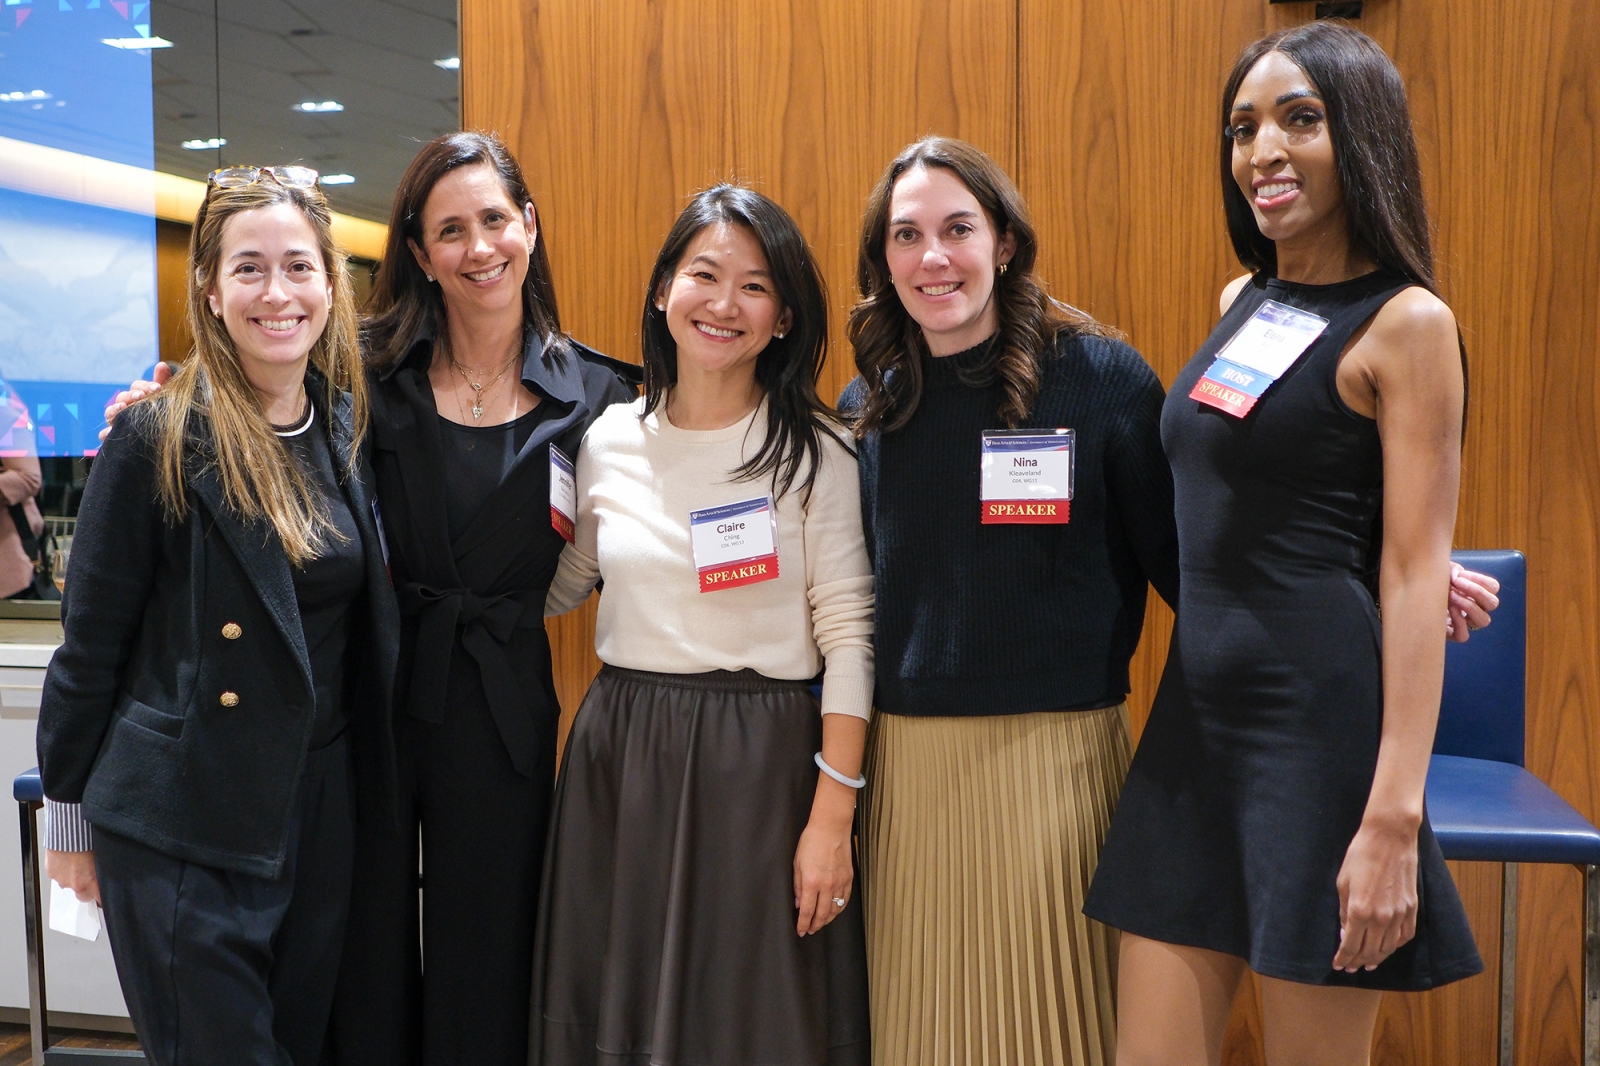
(65, 828)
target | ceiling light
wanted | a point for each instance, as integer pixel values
(20, 96)
(199, 145)
(453, 63)
(312, 107)
(338, 179)
(137, 44)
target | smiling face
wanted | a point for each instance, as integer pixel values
(476, 241)
(943, 254)
(272, 288)
(1283, 157)
(721, 305)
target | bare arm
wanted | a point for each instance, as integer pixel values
(1407, 366)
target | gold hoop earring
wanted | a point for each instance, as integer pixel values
(1002, 269)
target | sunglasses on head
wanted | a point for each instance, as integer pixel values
(238, 177)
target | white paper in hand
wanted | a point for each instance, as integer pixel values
(71, 915)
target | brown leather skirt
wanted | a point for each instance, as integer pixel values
(667, 923)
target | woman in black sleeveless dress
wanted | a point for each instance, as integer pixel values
(1273, 816)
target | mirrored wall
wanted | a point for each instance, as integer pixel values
(112, 113)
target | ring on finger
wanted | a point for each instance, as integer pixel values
(838, 901)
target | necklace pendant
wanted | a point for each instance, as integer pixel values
(477, 409)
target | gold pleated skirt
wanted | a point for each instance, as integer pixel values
(979, 840)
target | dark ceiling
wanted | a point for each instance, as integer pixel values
(375, 57)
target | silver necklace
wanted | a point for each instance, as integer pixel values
(478, 387)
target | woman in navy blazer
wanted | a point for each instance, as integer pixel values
(230, 640)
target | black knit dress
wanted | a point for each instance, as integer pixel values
(1253, 773)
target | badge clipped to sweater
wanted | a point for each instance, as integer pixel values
(1263, 350)
(563, 494)
(1026, 476)
(735, 544)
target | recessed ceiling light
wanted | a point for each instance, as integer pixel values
(453, 63)
(20, 97)
(311, 106)
(201, 145)
(338, 179)
(137, 44)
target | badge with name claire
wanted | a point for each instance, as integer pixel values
(1026, 476)
(735, 544)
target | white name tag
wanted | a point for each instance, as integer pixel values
(563, 494)
(735, 544)
(1265, 347)
(1273, 338)
(1026, 476)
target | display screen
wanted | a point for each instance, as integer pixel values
(78, 316)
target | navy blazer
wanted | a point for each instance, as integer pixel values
(171, 726)
(472, 610)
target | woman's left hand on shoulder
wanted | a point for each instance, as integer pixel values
(1377, 896)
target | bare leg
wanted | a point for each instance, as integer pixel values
(1172, 1003)
(1311, 1025)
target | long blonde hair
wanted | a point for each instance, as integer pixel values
(259, 478)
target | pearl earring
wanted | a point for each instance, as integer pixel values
(428, 276)
(778, 335)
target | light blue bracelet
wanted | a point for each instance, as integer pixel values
(848, 782)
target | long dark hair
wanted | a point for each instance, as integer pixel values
(404, 305)
(888, 342)
(1374, 150)
(788, 368)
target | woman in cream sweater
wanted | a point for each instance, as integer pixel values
(697, 903)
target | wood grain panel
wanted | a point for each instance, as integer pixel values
(172, 279)
(1118, 150)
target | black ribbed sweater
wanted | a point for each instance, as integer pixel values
(1006, 619)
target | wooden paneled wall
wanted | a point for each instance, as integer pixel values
(1106, 114)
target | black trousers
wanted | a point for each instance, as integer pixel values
(222, 967)
(462, 999)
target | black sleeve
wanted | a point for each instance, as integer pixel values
(1139, 478)
(850, 401)
(116, 549)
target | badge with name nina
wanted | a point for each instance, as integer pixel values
(1263, 350)
(563, 493)
(735, 544)
(1026, 476)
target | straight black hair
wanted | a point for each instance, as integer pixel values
(404, 305)
(788, 368)
(1374, 149)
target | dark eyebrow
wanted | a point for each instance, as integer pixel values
(1298, 94)
(948, 218)
(710, 260)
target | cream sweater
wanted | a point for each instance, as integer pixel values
(637, 482)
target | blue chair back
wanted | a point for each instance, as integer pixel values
(1483, 714)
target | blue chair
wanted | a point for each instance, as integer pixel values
(29, 794)
(1485, 807)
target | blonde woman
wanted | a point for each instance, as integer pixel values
(228, 601)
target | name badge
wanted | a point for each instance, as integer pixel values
(1027, 476)
(735, 544)
(1263, 350)
(563, 494)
